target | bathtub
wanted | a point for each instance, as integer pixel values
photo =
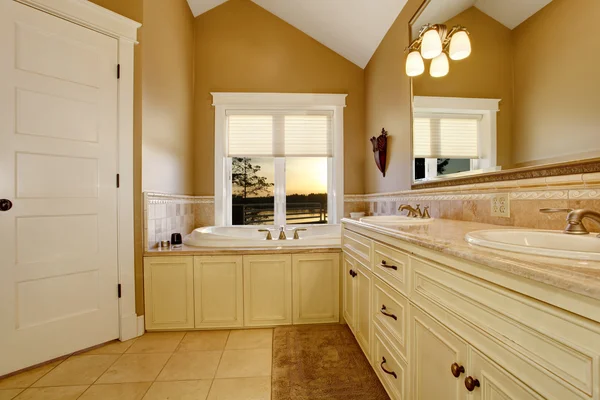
(249, 236)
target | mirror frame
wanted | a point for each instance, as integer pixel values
(584, 166)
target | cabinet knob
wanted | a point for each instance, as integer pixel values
(352, 273)
(457, 369)
(471, 383)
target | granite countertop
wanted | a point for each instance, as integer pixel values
(447, 237)
(220, 251)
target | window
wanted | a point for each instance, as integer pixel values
(453, 135)
(276, 164)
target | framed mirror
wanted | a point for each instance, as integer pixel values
(522, 96)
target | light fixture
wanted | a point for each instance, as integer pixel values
(414, 64)
(460, 45)
(439, 66)
(431, 46)
(435, 43)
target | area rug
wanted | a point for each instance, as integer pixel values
(321, 362)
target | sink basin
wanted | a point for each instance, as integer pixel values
(543, 243)
(395, 220)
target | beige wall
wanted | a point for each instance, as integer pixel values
(557, 94)
(486, 73)
(168, 85)
(163, 96)
(241, 47)
(387, 99)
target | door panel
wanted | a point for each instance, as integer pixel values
(348, 297)
(58, 162)
(363, 322)
(434, 349)
(316, 281)
(219, 291)
(268, 290)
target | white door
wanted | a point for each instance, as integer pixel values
(58, 165)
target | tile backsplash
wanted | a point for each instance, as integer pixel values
(165, 214)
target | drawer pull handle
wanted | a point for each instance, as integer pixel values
(392, 373)
(384, 265)
(471, 383)
(387, 314)
(457, 370)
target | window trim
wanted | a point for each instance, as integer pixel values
(487, 130)
(278, 101)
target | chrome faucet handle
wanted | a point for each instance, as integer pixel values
(282, 233)
(426, 212)
(269, 237)
(555, 210)
(296, 236)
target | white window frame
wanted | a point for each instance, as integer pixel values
(487, 129)
(224, 102)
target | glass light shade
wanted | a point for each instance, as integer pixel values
(439, 66)
(460, 45)
(414, 64)
(431, 46)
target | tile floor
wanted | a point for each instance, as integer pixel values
(211, 365)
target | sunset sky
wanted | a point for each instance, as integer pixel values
(303, 175)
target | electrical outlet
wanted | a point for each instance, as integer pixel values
(500, 205)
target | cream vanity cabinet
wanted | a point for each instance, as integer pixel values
(441, 328)
(213, 292)
(357, 284)
(169, 292)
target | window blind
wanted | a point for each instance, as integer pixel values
(279, 134)
(445, 136)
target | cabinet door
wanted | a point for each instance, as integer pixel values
(316, 288)
(348, 295)
(268, 290)
(434, 349)
(363, 322)
(169, 292)
(494, 382)
(218, 292)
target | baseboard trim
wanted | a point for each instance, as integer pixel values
(141, 325)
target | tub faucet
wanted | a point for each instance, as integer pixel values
(282, 233)
(269, 237)
(575, 219)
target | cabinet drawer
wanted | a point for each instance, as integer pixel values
(390, 366)
(390, 312)
(554, 351)
(357, 245)
(391, 265)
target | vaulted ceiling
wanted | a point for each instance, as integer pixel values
(354, 28)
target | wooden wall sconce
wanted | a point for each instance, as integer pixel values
(380, 149)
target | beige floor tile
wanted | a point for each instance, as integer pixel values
(204, 341)
(157, 342)
(241, 389)
(27, 378)
(182, 390)
(135, 368)
(250, 339)
(9, 394)
(114, 347)
(77, 370)
(52, 393)
(116, 391)
(191, 365)
(245, 363)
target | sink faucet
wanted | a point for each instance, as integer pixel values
(269, 237)
(575, 219)
(415, 212)
(296, 236)
(282, 233)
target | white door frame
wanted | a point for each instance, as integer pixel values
(89, 15)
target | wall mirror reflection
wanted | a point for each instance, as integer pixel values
(499, 85)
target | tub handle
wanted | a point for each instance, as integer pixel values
(296, 236)
(269, 237)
